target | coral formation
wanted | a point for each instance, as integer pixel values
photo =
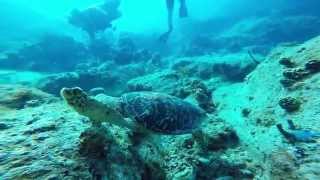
(95, 19)
(53, 84)
(138, 87)
(287, 62)
(215, 167)
(233, 72)
(295, 74)
(18, 97)
(63, 53)
(202, 94)
(257, 33)
(313, 66)
(283, 165)
(94, 143)
(290, 104)
(213, 139)
(292, 76)
(223, 66)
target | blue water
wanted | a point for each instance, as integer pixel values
(121, 46)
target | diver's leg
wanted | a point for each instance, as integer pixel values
(170, 6)
(183, 12)
(164, 37)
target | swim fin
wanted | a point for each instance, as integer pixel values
(183, 11)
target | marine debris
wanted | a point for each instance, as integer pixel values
(294, 134)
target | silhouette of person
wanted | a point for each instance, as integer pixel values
(183, 12)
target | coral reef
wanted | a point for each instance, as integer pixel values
(19, 97)
(290, 104)
(232, 68)
(126, 52)
(215, 167)
(95, 19)
(87, 80)
(233, 72)
(227, 73)
(63, 53)
(200, 92)
(138, 87)
(313, 66)
(259, 34)
(283, 165)
(216, 136)
(105, 156)
(94, 143)
(293, 76)
(105, 151)
(287, 62)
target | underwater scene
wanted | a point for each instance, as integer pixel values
(159, 90)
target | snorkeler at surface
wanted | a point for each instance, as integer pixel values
(183, 12)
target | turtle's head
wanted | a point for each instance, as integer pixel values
(96, 111)
(75, 97)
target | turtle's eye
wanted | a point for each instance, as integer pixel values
(67, 92)
(76, 91)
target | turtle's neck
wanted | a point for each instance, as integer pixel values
(112, 102)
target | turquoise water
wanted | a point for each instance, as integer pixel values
(162, 89)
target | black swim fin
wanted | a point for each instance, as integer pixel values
(183, 11)
(164, 37)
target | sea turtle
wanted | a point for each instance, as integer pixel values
(153, 111)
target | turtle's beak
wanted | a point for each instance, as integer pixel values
(69, 93)
(66, 92)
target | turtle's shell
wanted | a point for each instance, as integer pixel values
(160, 112)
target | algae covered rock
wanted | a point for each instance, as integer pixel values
(290, 104)
(53, 53)
(313, 66)
(218, 168)
(94, 143)
(283, 164)
(287, 62)
(295, 74)
(18, 97)
(106, 157)
(216, 136)
(88, 80)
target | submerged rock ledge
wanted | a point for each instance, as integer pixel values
(240, 141)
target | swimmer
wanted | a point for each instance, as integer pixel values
(183, 12)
